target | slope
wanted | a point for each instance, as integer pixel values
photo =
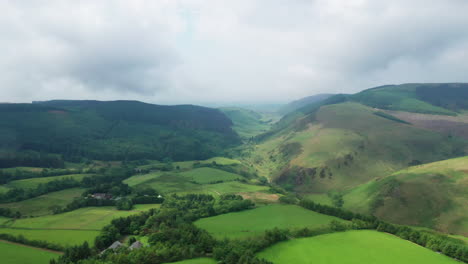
(114, 130)
(433, 195)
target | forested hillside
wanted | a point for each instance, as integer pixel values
(114, 130)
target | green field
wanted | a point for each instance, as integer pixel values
(18, 254)
(69, 228)
(43, 205)
(209, 175)
(254, 222)
(34, 182)
(352, 247)
(247, 123)
(61, 237)
(196, 261)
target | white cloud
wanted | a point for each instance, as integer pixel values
(191, 51)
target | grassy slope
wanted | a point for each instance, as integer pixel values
(446, 99)
(17, 254)
(247, 123)
(433, 195)
(254, 222)
(352, 247)
(42, 205)
(350, 145)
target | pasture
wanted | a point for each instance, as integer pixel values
(44, 204)
(18, 254)
(254, 222)
(34, 182)
(206, 175)
(352, 247)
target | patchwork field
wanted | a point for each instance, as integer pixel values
(69, 228)
(208, 175)
(254, 222)
(352, 247)
(44, 204)
(34, 182)
(18, 254)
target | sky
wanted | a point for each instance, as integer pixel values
(221, 52)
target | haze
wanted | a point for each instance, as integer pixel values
(200, 51)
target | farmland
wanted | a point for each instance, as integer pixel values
(18, 254)
(352, 247)
(254, 222)
(34, 182)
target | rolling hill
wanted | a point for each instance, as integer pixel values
(111, 130)
(433, 195)
(297, 104)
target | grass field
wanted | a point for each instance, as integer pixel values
(61, 237)
(209, 175)
(352, 247)
(254, 222)
(196, 261)
(34, 182)
(17, 254)
(69, 228)
(42, 205)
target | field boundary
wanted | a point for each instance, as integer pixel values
(23, 245)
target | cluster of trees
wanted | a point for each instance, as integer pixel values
(19, 174)
(7, 212)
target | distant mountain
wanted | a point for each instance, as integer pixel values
(294, 105)
(113, 130)
(248, 123)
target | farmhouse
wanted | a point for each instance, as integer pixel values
(136, 245)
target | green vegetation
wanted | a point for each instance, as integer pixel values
(196, 261)
(445, 99)
(254, 222)
(116, 130)
(210, 175)
(298, 104)
(352, 247)
(19, 254)
(56, 236)
(34, 182)
(431, 195)
(44, 204)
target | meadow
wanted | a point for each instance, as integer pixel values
(44, 204)
(352, 247)
(69, 228)
(18, 254)
(254, 222)
(34, 182)
(206, 175)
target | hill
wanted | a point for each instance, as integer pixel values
(112, 130)
(431, 195)
(436, 98)
(297, 104)
(340, 146)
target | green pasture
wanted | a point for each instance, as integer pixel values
(255, 221)
(352, 247)
(206, 175)
(18, 254)
(34, 182)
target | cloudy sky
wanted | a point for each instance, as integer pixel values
(204, 51)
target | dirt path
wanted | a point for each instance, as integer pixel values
(23, 245)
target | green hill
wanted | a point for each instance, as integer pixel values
(432, 195)
(297, 104)
(445, 99)
(340, 146)
(114, 130)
